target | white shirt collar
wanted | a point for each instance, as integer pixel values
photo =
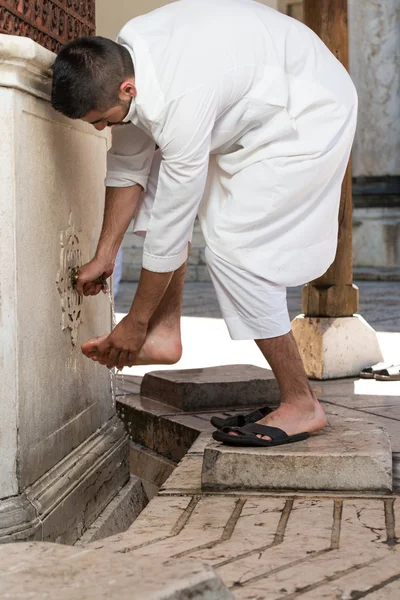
(132, 107)
(131, 112)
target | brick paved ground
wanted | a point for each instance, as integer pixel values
(271, 546)
(267, 545)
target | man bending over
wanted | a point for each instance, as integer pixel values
(232, 111)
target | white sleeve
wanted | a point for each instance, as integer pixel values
(130, 156)
(184, 142)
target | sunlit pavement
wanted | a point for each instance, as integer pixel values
(206, 341)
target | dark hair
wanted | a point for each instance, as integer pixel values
(87, 75)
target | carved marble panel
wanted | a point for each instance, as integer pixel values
(71, 302)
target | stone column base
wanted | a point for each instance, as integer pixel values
(335, 347)
(62, 504)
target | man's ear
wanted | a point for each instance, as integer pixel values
(127, 90)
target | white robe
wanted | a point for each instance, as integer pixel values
(254, 118)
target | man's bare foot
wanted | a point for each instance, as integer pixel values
(162, 346)
(89, 348)
(293, 417)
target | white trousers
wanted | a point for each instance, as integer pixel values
(252, 307)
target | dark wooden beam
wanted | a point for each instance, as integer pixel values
(333, 294)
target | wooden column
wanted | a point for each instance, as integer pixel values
(333, 294)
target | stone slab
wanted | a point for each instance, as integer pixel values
(38, 571)
(270, 546)
(149, 425)
(150, 466)
(349, 455)
(119, 514)
(335, 347)
(227, 386)
(186, 477)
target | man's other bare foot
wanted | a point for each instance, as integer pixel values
(295, 416)
(163, 346)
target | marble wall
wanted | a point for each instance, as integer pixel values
(55, 404)
(374, 35)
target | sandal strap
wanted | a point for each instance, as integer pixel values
(274, 433)
(235, 421)
(258, 414)
(393, 370)
(241, 419)
(375, 368)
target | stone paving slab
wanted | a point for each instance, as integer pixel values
(349, 455)
(275, 547)
(46, 571)
(213, 387)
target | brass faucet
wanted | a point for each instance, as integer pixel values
(75, 275)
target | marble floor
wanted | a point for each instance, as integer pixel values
(269, 546)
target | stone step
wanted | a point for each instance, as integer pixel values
(119, 514)
(228, 386)
(39, 570)
(151, 424)
(349, 455)
(152, 468)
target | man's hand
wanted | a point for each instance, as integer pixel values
(87, 283)
(120, 348)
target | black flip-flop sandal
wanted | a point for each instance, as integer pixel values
(369, 372)
(242, 419)
(389, 374)
(248, 436)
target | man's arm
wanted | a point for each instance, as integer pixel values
(128, 165)
(119, 208)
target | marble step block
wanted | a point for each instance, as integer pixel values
(349, 455)
(39, 570)
(227, 386)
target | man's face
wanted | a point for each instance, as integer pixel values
(113, 116)
(116, 114)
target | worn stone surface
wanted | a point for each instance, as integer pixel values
(350, 454)
(335, 347)
(119, 514)
(40, 571)
(214, 387)
(274, 547)
(187, 477)
(149, 424)
(150, 466)
(271, 545)
(72, 495)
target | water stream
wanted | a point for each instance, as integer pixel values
(114, 372)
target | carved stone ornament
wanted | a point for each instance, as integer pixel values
(51, 23)
(71, 302)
